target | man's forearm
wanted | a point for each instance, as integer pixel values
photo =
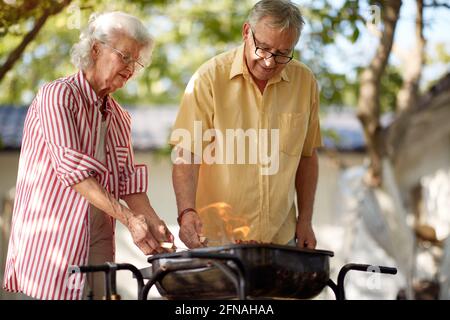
(96, 195)
(184, 178)
(306, 184)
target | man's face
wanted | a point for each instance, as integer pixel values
(272, 40)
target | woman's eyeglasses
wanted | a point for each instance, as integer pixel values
(126, 59)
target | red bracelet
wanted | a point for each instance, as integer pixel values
(182, 213)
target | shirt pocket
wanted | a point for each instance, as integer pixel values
(121, 155)
(293, 128)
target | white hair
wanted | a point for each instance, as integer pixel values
(105, 26)
(283, 15)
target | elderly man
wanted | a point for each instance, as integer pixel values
(255, 88)
(76, 163)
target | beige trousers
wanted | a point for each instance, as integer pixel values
(101, 250)
(101, 247)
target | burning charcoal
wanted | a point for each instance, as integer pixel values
(248, 242)
(167, 245)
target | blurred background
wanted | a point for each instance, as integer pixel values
(383, 68)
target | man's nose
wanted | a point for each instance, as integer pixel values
(269, 62)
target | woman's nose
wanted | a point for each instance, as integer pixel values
(131, 67)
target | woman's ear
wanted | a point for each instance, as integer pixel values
(95, 52)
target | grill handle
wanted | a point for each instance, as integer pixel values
(339, 290)
(110, 269)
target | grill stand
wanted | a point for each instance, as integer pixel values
(236, 273)
(230, 265)
(110, 270)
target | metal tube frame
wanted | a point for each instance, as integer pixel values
(339, 290)
(236, 274)
(110, 270)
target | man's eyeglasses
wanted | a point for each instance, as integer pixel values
(126, 59)
(266, 54)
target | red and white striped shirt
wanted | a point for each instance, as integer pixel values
(50, 224)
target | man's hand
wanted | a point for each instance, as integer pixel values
(184, 178)
(190, 230)
(305, 235)
(305, 185)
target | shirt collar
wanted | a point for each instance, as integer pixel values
(239, 67)
(87, 90)
(89, 93)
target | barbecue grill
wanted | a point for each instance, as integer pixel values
(243, 271)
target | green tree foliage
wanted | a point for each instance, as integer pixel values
(14, 13)
(187, 33)
(17, 20)
(346, 21)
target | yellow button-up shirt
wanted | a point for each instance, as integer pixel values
(222, 95)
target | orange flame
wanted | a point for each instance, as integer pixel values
(243, 231)
(223, 225)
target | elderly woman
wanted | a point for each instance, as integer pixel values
(76, 163)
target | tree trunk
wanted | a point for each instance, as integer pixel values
(18, 51)
(409, 93)
(369, 92)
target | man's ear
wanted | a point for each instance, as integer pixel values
(245, 31)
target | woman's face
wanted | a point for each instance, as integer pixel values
(115, 62)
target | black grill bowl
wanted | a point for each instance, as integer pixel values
(269, 271)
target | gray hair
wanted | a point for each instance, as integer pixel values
(105, 26)
(283, 13)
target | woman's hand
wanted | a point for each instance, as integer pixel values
(154, 235)
(142, 235)
(161, 233)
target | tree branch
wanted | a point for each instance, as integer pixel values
(369, 93)
(436, 4)
(408, 94)
(18, 51)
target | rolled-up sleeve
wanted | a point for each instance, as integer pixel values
(134, 177)
(196, 108)
(313, 137)
(61, 132)
(135, 182)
